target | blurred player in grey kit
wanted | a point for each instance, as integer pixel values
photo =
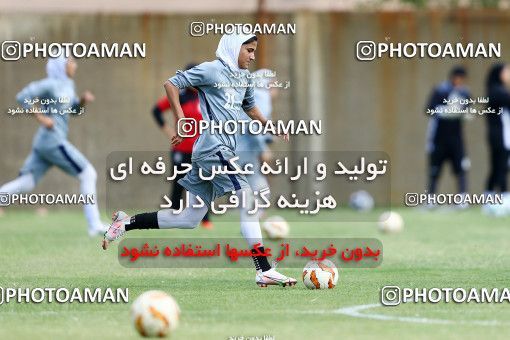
(50, 146)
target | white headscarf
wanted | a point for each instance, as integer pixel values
(56, 67)
(229, 48)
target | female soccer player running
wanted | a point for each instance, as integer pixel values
(50, 145)
(219, 104)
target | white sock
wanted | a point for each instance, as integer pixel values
(88, 178)
(250, 226)
(24, 183)
(188, 218)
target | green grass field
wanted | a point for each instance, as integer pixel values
(436, 249)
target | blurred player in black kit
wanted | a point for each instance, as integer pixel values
(444, 135)
(498, 127)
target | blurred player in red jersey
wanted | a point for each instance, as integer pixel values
(181, 153)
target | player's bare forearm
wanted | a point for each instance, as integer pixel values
(167, 130)
(172, 93)
(46, 121)
(254, 113)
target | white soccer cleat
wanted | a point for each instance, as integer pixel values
(272, 278)
(117, 228)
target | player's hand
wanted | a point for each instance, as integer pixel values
(105, 244)
(176, 140)
(45, 121)
(48, 123)
(87, 97)
(174, 137)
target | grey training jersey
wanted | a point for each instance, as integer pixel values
(50, 88)
(217, 103)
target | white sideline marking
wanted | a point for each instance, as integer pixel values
(355, 311)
